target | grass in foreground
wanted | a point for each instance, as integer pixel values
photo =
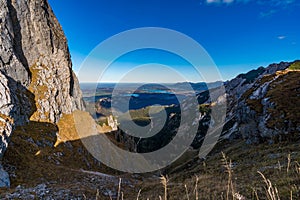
(252, 172)
(264, 189)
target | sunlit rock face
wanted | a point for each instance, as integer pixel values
(259, 109)
(36, 78)
(34, 52)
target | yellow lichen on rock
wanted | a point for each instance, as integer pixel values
(39, 89)
(4, 119)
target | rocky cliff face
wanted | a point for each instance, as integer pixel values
(36, 78)
(263, 104)
(16, 106)
(34, 52)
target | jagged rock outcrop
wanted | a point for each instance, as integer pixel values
(15, 109)
(12, 58)
(36, 78)
(6, 123)
(34, 52)
(254, 108)
(16, 106)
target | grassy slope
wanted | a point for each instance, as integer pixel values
(284, 92)
(32, 159)
(295, 66)
(246, 159)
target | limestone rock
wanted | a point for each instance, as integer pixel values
(4, 178)
(34, 52)
(113, 123)
(12, 58)
(16, 106)
(250, 104)
(36, 78)
(6, 123)
(37, 81)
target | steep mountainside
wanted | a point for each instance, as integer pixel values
(39, 97)
(263, 104)
(36, 78)
(261, 108)
(34, 52)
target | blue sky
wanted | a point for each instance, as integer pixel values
(239, 35)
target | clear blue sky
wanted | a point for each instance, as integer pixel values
(238, 34)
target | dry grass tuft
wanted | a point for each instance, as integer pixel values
(138, 195)
(228, 167)
(196, 188)
(164, 181)
(271, 192)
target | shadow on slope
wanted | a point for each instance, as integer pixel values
(31, 159)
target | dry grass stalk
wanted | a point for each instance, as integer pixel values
(98, 195)
(119, 189)
(196, 188)
(271, 192)
(228, 167)
(164, 182)
(187, 192)
(289, 163)
(279, 166)
(138, 195)
(255, 193)
(297, 168)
